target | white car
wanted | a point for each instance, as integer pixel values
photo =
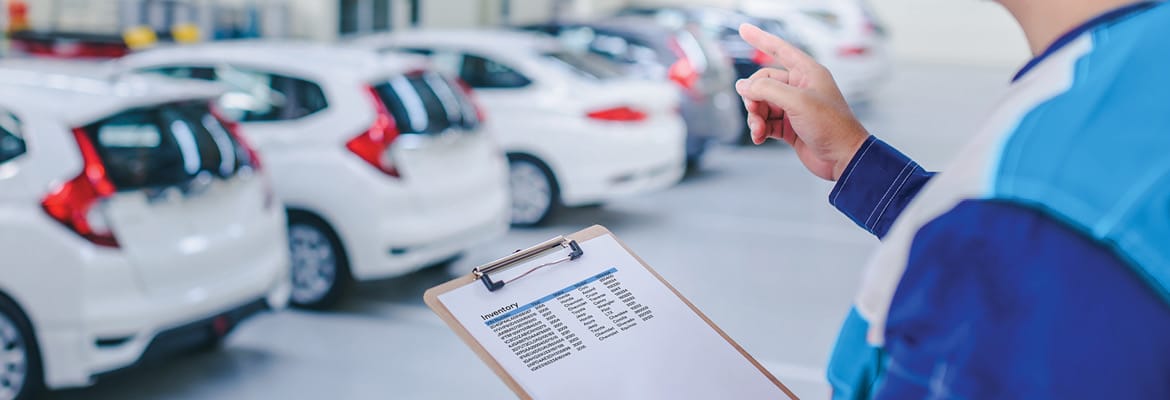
(575, 131)
(841, 34)
(379, 160)
(132, 221)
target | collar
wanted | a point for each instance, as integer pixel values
(1089, 25)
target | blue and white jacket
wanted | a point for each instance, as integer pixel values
(1037, 266)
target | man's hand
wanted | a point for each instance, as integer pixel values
(800, 105)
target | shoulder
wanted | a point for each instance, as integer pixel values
(1094, 155)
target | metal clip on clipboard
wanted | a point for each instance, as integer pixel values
(482, 271)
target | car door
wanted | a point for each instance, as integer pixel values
(516, 112)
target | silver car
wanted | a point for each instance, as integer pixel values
(684, 55)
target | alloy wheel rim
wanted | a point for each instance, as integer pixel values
(531, 192)
(13, 359)
(314, 264)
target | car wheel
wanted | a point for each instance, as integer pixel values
(20, 364)
(534, 191)
(320, 270)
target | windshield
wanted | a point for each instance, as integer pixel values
(588, 65)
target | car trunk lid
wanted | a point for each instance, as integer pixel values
(440, 151)
(186, 190)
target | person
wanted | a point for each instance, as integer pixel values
(1037, 265)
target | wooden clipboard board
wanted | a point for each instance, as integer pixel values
(431, 297)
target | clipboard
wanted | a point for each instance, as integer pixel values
(571, 250)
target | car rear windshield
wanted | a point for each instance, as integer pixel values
(427, 103)
(166, 146)
(585, 64)
(692, 47)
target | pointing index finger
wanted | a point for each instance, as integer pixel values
(785, 53)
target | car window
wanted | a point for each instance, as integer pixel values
(425, 102)
(588, 65)
(447, 62)
(692, 49)
(482, 73)
(11, 140)
(213, 137)
(716, 59)
(460, 109)
(218, 152)
(184, 72)
(136, 151)
(258, 96)
(165, 146)
(621, 49)
(409, 50)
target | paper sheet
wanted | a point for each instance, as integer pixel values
(603, 327)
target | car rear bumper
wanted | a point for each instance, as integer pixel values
(615, 161)
(601, 186)
(115, 327)
(194, 334)
(409, 243)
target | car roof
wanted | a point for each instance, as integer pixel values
(299, 57)
(499, 41)
(78, 94)
(638, 26)
(695, 13)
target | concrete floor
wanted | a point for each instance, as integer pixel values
(751, 240)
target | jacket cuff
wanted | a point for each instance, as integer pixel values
(878, 183)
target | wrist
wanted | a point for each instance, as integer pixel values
(847, 154)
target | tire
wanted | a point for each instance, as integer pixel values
(535, 193)
(20, 358)
(320, 270)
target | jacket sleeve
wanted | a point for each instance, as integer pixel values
(1002, 301)
(877, 185)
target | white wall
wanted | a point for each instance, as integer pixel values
(976, 32)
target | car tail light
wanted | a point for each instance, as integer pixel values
(479, 115)
(233, 128)
(72, 203)
(761, 58)
(618, 114)
(373, 145)
(684, 74)
(683, 71)
(852, 51)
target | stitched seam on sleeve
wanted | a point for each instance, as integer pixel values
(850, 173)
(904, 180)
(887, 194)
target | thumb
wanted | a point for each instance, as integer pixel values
(770, 90)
